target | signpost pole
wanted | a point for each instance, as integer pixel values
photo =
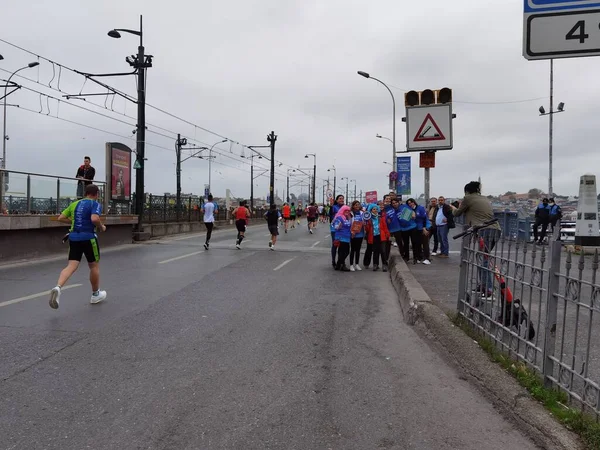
(427, 169)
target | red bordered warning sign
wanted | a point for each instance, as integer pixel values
(429, 131)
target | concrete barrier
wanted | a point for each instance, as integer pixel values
(497, 385)
(28, 237)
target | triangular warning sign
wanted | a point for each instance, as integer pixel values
(429, 131)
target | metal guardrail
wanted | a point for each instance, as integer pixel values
(558, 296)
(36, 193)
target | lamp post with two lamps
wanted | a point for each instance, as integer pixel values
(346, 178)
(560, 108)
(252, 156)
(210, 158)
(334, 180)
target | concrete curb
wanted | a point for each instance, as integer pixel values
(509, 397)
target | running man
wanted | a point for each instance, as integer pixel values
(287, 213)
(208, 209)
(311, 215)
(241, 214)
(83, 216)
(293, 212)
(273, 217)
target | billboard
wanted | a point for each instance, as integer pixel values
(118, 171)
(403, 183)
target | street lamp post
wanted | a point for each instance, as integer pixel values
(551, 113)
(334, 179)
(252, 156)
(287, 195)
(354, 188)
(366, 75)
(314, 190)
(346, 178)
(210, 158)
(5, 137)
(141, 62)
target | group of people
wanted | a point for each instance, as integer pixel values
(411, 225)
(546, 213)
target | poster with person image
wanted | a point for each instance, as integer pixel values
(118, 164)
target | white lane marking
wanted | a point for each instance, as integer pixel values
(268, 235)
(315, 244)
(283, 264)
(181, 257)
(32, 296)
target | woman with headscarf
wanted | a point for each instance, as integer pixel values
(377, 238)
(358, 234)
(342, 224)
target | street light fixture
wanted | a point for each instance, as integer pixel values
(366, 75)
(334, 179)
(210, 158)
(1, 57)
(141, 62)
(252, 156)
(5, 137)
(383, 137)
(561, 108)
(314, 155)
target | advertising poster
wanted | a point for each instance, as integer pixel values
(371, 197)
(118, 173)
(403, 183)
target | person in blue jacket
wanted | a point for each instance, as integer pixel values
(408, 231)
(342, 224)
(421, 235)
(392, 221)
(357, 237)
(335, 208)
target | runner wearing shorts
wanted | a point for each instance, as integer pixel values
(287, 212)
(83, 216)
(272, 216)
(293, 215)
(311, 215)
(241, 214)
(208, 209)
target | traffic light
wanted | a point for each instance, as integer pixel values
(428, 97)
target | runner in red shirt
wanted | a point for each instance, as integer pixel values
(311, 213)
(286, 211)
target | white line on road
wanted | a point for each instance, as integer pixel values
(283, 264)
(315, 244)
(32, 296)
(181, 257)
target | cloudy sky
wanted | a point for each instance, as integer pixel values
(244, 68)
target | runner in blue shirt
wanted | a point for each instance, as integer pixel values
(84, 217)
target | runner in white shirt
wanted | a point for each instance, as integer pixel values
(208, 209)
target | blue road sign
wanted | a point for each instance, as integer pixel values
(532, 6)
(404, 178)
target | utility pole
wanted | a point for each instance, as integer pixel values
(252, 183)
(178, 144)
(314, 180)
(551, 124)
(272, 138)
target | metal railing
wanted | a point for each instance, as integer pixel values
(552, 322)
(35, 193)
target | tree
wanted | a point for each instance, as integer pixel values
(509, 193)
(534, 193)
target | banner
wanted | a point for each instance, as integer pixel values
(371, 197)
(118, 171)
(403, 183)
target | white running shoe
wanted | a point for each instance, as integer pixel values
(238, 246)
(270, 244)
(352, 268)
(310, 231)
(272, 248)
(426, 262)
(357, 267)
(98, 298)
(54, 297)
(394, 244)
(434, 253)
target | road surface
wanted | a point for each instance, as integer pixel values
(228, 349)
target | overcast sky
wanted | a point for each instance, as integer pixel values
(244, 68)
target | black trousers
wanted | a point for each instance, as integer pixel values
(433, 233)
(343, 252)
(209, 228)
(398, 237)
(386, 247)
(412, 237)
(373, 250)
(355, 244)
(544, 223)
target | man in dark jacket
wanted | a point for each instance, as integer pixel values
(85, 174)
(542, 218)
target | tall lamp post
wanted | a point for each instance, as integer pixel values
(560, 108)
(5, 137)
(141, 62)
(334, 179)
(252, 156)
(346, 178)
(366, 75)
(287, 195)
(210, 158)
(354, 188)
(314, 181)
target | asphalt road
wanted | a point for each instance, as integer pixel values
(227, 349)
